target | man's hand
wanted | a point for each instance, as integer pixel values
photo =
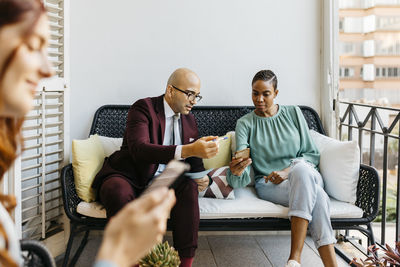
(202, 183)
(237, 166)
(277, 177)
(203, 148)
(144, 221)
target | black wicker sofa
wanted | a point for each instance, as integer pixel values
(110, 121)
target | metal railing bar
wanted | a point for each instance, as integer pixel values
(372, 141)
(370, 114)
(368, 106)
(397, 238)
(355, 116)
(390, 129)
(378, 117)
(350, 119)
(360, 140)
(350, 122)
(384, 188)
(345, 114)
(376, 132)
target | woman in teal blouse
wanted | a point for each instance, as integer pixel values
(285, 161)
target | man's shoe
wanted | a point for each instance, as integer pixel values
(292, 263)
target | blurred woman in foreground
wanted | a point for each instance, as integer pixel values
(24, 35)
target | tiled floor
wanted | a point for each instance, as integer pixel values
(233, 250)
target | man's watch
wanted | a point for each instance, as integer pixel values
(210, 180)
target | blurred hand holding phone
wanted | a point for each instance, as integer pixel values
(171, 177)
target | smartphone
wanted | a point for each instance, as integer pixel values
(171, 177)
(243, 154)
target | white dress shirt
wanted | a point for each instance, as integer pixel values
(168, 135)
(13, 241)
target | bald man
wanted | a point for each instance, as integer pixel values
(158, 130)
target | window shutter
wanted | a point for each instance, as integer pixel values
(43, 133)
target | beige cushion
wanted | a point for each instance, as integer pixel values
(87, 159)
(92, 209)
(223, 158)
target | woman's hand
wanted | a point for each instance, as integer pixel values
(277, 177)
(237, 166)
(131, 233)
(202, 183)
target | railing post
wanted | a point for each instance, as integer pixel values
(372, 140)
(398, 191)
(350, 129)
(384, 187)
(360, 142)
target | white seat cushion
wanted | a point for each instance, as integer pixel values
(245, 205)
(92, 209)
(248, 205)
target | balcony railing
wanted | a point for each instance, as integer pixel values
(377, 130)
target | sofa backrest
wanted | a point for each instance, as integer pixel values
(110, 120)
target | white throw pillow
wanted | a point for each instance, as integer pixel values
(110, 144)
(339, 165)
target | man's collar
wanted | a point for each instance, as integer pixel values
(168, 110)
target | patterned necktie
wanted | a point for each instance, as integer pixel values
(175, 133)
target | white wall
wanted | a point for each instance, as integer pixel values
(124, 50)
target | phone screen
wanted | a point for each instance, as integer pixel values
(170, 177)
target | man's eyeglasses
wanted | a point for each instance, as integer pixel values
(190, 95)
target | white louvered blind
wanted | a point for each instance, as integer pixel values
(43, 132)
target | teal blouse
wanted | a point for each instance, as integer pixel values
(274, 142)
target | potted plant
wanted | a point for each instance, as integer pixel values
(162, 255)
(390, 258)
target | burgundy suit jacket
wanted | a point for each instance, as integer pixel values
(142, 150)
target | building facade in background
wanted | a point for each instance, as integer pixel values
(369, 34)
